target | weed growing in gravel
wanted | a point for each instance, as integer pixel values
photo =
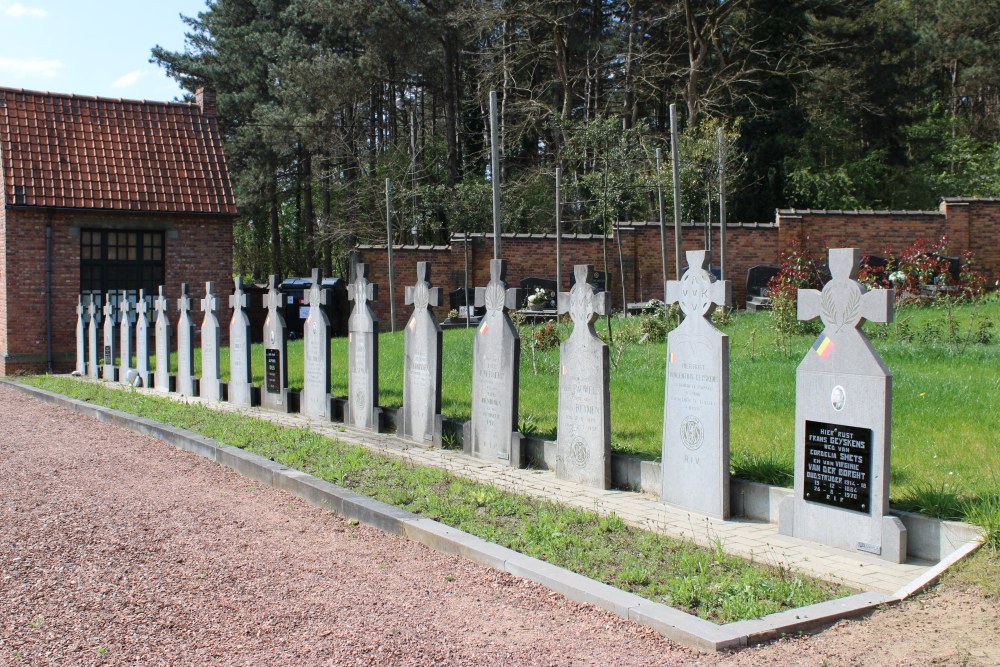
(703, 581)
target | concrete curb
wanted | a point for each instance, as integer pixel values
(674, 624)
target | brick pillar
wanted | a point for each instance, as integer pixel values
(957, 225)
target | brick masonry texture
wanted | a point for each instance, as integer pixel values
(969, 224)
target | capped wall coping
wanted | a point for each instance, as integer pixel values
(971, 200)
(798, 212)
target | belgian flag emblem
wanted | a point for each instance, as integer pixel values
(823, 347)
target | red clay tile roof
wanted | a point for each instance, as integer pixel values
(67, 151)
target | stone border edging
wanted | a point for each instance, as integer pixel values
(676, 625)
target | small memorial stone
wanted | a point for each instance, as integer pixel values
(93, 357)
(695, 470)
(240, 369)
(496, 357)
(843, 399)
(142, 339)
(584, 442)
(422, 361)
(110, 339)
(185, 345)
(362, 353)
(161, 376)
(210, 386)
(81, 337)
(316, 350)
(125, 306)
(275, 393)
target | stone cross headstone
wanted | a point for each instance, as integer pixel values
(125, 365)
(362, 353)
(81, 337)
(185, 345)
(316, 351)
(584, 430)
(240, 368)
(161, 376)
(695, 469)
(275, 393)
(210, 386)
(843, 400)
(142, 339)
(110, 339)
(93, 357)
(422, 361)
(496, 357)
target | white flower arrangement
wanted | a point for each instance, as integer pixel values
(540, 296)
(897, 277)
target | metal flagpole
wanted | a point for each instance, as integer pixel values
(388, 245)
(675, 155)
(663, 225)
(558, 232)
(495, 172)
(722, 205)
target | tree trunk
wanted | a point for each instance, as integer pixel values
(272, 196)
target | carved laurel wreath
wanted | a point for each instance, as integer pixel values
(850, 313)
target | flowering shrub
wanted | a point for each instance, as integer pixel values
(547, 337)
(798, 271)
(924, 263)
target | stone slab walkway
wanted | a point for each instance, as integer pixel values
(755, 540)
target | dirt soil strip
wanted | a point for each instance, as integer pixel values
(118, 549)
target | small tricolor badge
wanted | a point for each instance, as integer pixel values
(482, 329)
(823, 347)
(672, 358)
(413, 323)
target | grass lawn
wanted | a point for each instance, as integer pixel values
(945, 425)
(703, 581)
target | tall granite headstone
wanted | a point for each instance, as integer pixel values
(275, 393)
(584, 432)
(210, 385)
(81, 337)
(695, 469)
(362, 353)
(93, 355)
(422, 362)
(110, 339)
(843, 401)
(496, 357)
(125, 327)
(316, 350)
(142, 339)
(161, 376)
(185, 345)
(240, 368)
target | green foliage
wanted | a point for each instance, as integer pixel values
(799, 270)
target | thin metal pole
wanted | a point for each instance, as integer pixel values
(558, 232)
(388, 245)
(495, 172)
(663, 225)
(722, 205)
(468, 314)
(675, 156)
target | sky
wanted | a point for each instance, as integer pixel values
(91, 48)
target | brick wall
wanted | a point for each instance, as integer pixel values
(197, 250)
(533, 255)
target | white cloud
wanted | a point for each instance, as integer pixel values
(29, 68)
(17, 10)
(130, 79)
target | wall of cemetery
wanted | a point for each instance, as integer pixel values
(197, 250)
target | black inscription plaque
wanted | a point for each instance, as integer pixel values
(272, 373)
(108, 360)
(839, 466)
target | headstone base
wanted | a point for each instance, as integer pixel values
(517, 457)
(892, 540)
(270, 401)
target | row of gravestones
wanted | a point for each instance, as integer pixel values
(842, 396)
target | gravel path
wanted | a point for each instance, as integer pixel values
(117, 549)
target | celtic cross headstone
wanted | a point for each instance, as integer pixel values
(496, 356)
(275, 393)
(110, 338)
(126, 307)
(316, 348)
(843, 402)
(240, 369)
(362, 353)
(584, 427)
(210, 385)
(422, 361)
(695, 469)
(93, 357)
(142, 339)
(161, 376)
(81, 337)
(185, 345)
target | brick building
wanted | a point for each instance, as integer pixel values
(103, 195)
